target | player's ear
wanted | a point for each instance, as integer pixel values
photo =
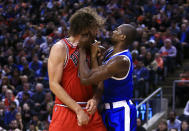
(123, 37)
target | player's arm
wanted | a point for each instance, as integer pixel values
(55, 71)
(92, 103)
(114, 67)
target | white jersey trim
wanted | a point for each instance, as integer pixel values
(123, 103)
(120, 52)
(116, 78)
(67, 55)
(115, 55)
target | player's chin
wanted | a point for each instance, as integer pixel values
(113, 40)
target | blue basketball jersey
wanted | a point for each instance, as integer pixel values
(117, 89)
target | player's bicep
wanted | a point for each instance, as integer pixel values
(118, 65)
(56, 63)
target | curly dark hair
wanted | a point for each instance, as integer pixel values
(85, 19)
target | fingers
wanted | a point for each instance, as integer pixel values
(88, 104)
(84, 122)
(79, 124)
(91, 108)
(92, 111)
(96, 43)
(82, 118)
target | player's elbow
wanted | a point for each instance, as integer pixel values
(52, 85)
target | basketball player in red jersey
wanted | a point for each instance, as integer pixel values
(72, 97)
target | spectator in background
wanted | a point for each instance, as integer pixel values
(142, 53)
(26, 99)
(6, 82)
(26, 115)
(26, 88)
(32, 127)
(39, 39)
(139, 125)
(135, 46)
(35, 64)
(173, 129)
(45, 47)
(11, 63)
(184, 39)
(23, 79)
(14, 125)
(42, 74)
(160, 63)
(9, 98)
(10, 114)
(172, 122)
(19, 120)
(177, 44)
(135, 58)
(28, 72)
(162, 126)
(38, 96)
(21, 63)
(140, 77)
(168, 52)
(35, 120)
(3, 92)
(174, 29)
(44, 112)
(28, 43)
(15, 80)
(184, 126)
(152, 66)
(152, 47)
(2, 115)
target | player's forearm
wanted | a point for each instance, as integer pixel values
(64, 97)
(98, 92)
(94, 62)
(83, 67)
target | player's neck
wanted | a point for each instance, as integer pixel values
(74, 40)
(118, 48)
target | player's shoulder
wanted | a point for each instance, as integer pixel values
(58, 49)
(59, 46)
(120, 59)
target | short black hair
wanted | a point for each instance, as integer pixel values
(130, 32)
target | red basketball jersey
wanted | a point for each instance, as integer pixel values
(70, 77)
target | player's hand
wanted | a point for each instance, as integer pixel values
(91, 106)
(95, 49)
(82, 118)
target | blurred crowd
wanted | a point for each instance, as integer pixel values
(172, 123)
(28, 29)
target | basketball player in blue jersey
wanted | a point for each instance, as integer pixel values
(116, 74)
